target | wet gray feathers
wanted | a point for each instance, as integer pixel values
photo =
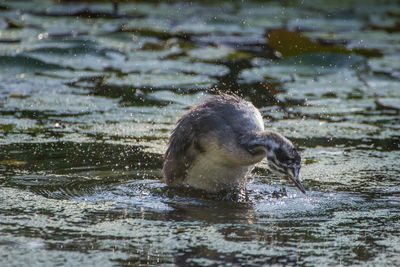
(223, 115)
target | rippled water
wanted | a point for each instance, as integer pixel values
(89, 96)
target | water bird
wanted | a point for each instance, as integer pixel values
(216, 144)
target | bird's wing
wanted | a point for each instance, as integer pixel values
(182, 150)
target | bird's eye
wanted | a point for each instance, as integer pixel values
(281, 155)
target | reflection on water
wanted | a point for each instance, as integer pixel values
(90, 93)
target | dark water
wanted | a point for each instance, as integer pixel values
(89, 96)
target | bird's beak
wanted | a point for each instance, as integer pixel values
(296, 181)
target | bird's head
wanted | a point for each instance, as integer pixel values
(283, 158)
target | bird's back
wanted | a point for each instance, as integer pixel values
(234, 111)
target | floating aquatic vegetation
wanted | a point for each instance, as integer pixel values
(90, 92)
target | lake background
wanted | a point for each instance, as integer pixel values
(89, 94)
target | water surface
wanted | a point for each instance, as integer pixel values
(89, 96)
